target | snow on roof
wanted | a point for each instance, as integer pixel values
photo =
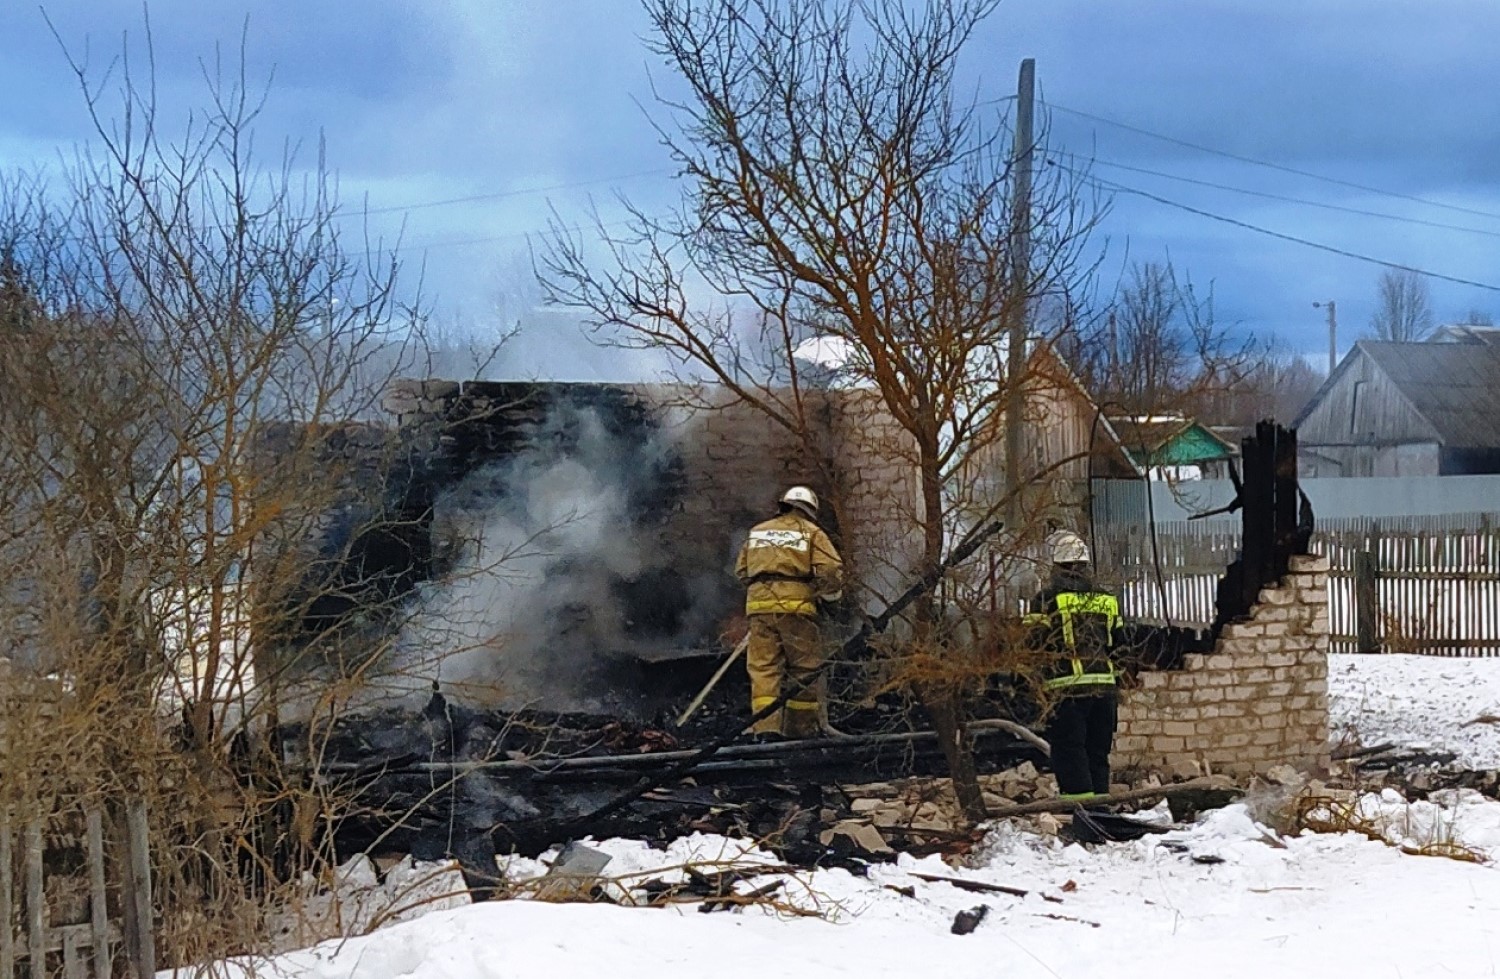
(831, 352)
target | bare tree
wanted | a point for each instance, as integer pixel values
(1277, 385)
(838, 190)
(1403, 311)
(165, 309)
(1477, 317)
(1159, 348)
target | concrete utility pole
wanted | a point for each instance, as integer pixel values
(1015, 355)
(1333, 334)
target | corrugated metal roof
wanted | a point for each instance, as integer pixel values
(1465, 333)
(1454, 385)
(1160, 441)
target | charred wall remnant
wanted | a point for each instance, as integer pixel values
(1254, 693)
(555, 574)
(345, 567)
(1277, 521)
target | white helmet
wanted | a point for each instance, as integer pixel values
(802, 498)
(1067, 548)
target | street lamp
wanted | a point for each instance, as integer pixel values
(1333, 335)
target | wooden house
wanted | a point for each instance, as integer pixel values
(1173, 447)
(1408, 409)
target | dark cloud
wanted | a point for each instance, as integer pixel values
(450, 98)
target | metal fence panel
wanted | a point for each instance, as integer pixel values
(1125, 501)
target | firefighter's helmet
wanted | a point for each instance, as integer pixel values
(802, 498)
(1067, 548)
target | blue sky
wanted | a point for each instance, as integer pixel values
(428, 101)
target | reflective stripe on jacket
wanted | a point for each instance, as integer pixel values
(1079, 626)
(788, 564)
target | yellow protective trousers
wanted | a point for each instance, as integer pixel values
(785, 649)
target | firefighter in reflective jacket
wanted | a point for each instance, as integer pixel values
(1078, 626)
(789, 567)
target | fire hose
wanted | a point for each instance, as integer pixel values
(692, 708)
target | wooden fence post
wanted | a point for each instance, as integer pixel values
(1366, 602)
(36, 902)
(138, 856)
(98, 906)
(7, 932)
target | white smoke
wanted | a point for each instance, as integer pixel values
(529, 614)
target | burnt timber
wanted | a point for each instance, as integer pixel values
(1277, 521)
(457, 783)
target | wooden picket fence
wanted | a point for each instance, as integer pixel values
(1410, 584)
(32, 944)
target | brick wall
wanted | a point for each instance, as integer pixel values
(876, 493)
(1259, 699)
(736, 463)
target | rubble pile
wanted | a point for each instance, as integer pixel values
(1416, 775)
(922, 815)
(453, 781)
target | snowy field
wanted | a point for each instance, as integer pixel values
(1226, 897)
(1418, 701)
(1314, 905)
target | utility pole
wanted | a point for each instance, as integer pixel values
(1114, 349)
(1015, 355)
(1333, 334)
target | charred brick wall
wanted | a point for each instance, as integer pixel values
(736, 462)
(1259, 699)
(728, 464)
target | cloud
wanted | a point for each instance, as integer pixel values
(450, 98)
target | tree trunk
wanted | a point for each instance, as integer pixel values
(946, 713)
(941, 700)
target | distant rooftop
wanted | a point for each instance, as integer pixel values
(1466, 333)
(1452, 381)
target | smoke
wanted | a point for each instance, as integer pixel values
(562, 571)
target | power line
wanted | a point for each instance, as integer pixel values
(1121, 188)
(498, 195)
(341, 212)
(490, 239)
(1290, 200)
(1273, 166)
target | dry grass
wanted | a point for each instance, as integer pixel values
(1326, 814)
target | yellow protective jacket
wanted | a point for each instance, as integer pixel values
(788, 565)
(1078, 627)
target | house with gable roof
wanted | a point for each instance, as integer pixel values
(1430, 408)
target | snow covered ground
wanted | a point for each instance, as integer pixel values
(1314, 905)
(1226, 897)
(1418, 701)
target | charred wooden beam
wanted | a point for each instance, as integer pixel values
(1276, 521)
(850, 754)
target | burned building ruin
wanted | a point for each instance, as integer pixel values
(556, 560)
(552, 545)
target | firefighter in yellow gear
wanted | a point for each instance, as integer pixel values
(789, 568)
(1078, 627)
